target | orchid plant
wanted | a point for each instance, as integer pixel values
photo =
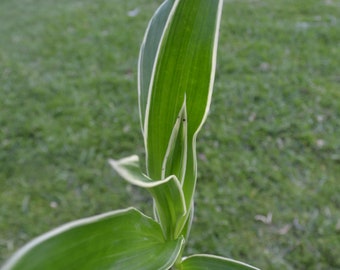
(175, 81)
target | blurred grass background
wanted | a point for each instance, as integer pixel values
(268, 190)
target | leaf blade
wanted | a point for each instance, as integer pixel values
(148, 52)
(123, 239)
(211, 262)
(184, 69)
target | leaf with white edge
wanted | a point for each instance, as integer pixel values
(148, 51)
(123, 239)
(199, 90)
(211, 262)
(181, 75)
(167, 194)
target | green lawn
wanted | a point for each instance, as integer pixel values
(270, 147)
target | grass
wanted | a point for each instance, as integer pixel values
(270, 147)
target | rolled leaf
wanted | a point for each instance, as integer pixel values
(211, 262)
(124, 239)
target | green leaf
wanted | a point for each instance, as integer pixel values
(148, 53)
(211, 262)
(177, 77)
(167, 194)
(124, 239)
